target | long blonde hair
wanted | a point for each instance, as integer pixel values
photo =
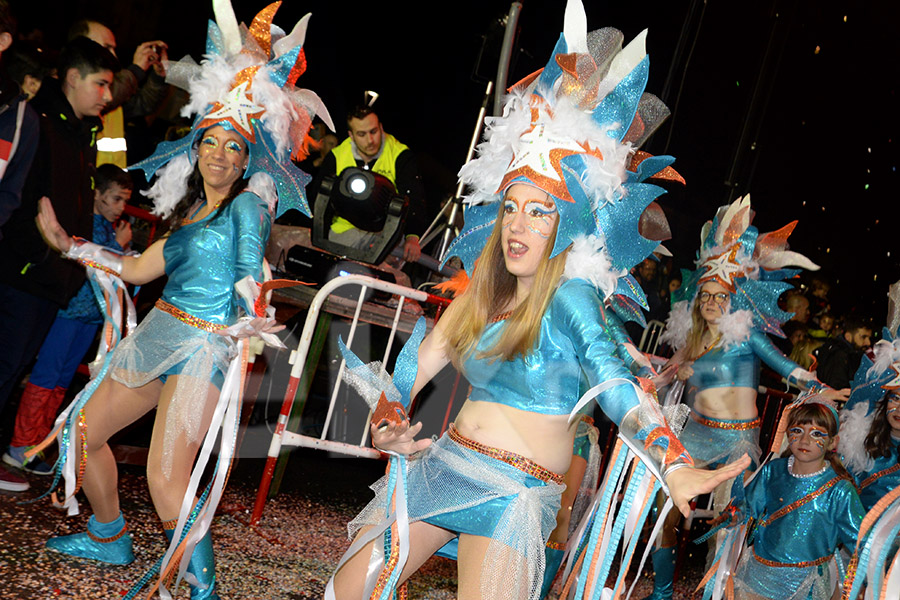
(490, 289)
(694, 343)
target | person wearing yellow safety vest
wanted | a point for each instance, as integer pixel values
(136, 91)
(369, 147)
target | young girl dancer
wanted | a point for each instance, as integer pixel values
(805, 504)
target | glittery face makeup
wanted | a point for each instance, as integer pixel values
(893, 413)
(539, 215)
(222, 157)
(809, 443)
(527, 222)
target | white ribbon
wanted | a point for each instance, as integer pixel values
(227, 417)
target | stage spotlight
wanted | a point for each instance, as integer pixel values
(369, 202)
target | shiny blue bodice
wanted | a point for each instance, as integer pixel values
(574, 352)
(876, 490)
(810, 531)
(205, 259)
(738, 365)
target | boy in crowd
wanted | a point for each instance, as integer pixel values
(72, 332)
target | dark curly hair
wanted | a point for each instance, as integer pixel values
(878, 440)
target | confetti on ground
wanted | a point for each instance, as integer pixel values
(289, 556)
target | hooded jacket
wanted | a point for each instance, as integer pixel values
(62, 170)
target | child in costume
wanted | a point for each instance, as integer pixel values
(72, 332)
(717, 328)
(220, 186)
(552, 216)
(805, 505)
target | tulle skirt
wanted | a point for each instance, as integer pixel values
(162, 346)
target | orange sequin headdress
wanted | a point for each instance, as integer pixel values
(245, 83)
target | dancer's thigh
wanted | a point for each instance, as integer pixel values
(424, 540)
(184, 449)
(114, 406)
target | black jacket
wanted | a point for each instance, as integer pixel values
(62, 170)
(838, 362)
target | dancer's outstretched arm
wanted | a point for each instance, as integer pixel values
(687, 482)
(132, 269)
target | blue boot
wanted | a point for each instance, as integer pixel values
(106, 542)
(663, 573)
(552, 559)
(203, 567)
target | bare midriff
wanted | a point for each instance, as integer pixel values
(545, 439)
(730, 403)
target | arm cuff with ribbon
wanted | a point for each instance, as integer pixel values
(647, 434)
(803, 379)
(94, 255)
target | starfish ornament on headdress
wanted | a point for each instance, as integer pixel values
(571, 130)
(750, 265)
(246, 84)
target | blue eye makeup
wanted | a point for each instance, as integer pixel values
(210, 142)
(233, 146)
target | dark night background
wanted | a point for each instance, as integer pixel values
(792, 100)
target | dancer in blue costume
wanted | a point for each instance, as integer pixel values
(805, 505)
(870, 421)
(551, 201)
(219, 187)
(870, 446)
(717, 326)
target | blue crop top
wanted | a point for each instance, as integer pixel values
(738, 365)
(206, 258)
(574, 352)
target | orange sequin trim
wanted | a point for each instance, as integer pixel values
(798, 503)
(556, 545)
(526, 465)
(187, 318)
(109, 539)
(742, 426)
(875, 476)
(805, 563)
(95, 265)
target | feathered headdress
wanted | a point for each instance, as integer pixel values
(571, 130)
(750, 265)
(245, 83)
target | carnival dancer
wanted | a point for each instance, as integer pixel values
(219, 187)
(717, 326)
(870, 421)
(805, 504)
(552, 216)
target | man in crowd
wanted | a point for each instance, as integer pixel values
(35, 281)
(136, 91)
(839, 357)
(369, 147)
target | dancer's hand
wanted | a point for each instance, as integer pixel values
(687, 482)
(685, 372)
(665, 377)
(835, 395)
(398, 437)
(52, 232)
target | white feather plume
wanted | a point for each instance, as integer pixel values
(678, 325)
(886, 354)
(735, 327)
(855, 427)
(170, 184)
(589, 260)
(263, 186)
